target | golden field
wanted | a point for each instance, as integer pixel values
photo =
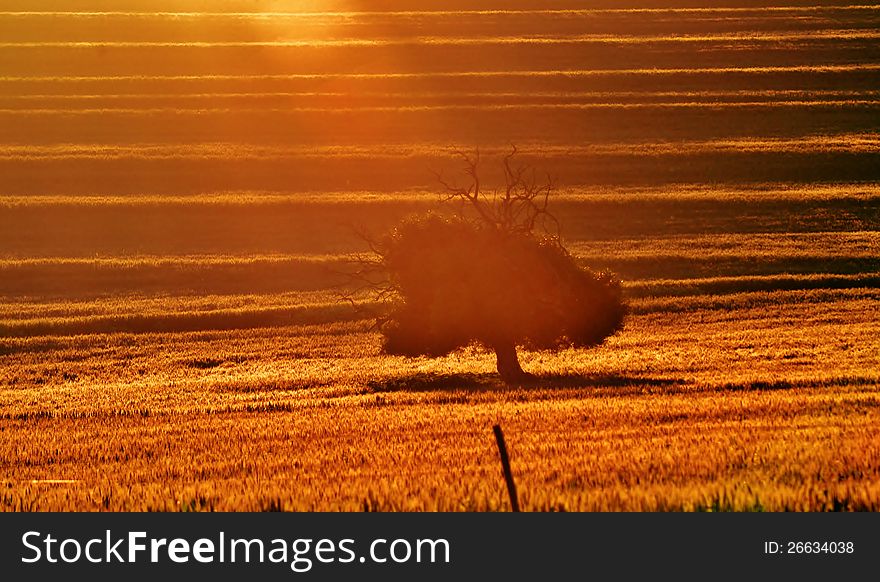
(181, 185)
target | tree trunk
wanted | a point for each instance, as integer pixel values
(508, 365)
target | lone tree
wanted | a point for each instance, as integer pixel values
(495, 272)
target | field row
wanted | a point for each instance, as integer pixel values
(92, 279)
(748, 38)
(30, 27)
(848, 77)
(743, 245)
(328, 226)
(84, 60)
(380, 6)
(320, 102)
(59, 312)
(140, 313)
(849, 143)
(96, 177)
(442, 127)
(671, 192)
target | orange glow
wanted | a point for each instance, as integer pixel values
(184, 181)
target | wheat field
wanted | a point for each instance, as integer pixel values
(183, 182)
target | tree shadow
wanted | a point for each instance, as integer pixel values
(600, 384)
(431, 381)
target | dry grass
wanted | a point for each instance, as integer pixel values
(763, 412)
(180, 183)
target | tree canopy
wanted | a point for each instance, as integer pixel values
(493, 273)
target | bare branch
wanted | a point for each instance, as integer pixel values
(520, 206)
